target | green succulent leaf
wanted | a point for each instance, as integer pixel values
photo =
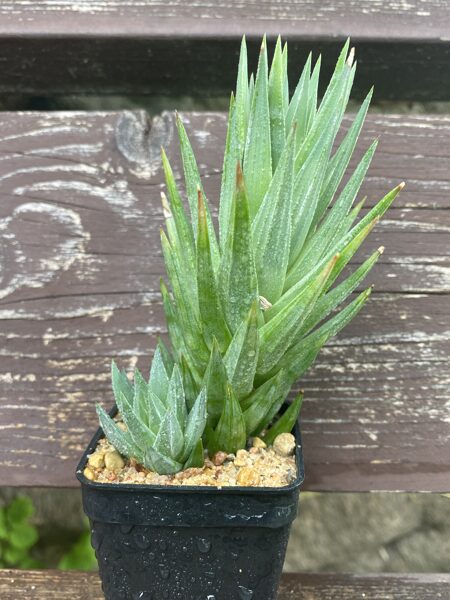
(215, 382)
(169, 441)
(121, 440)
(277, 104)
(160, 463)
(213, 318)
(196, 458)
(159, 378)
(238, 279)
(230, 433)
(257, 164)
(241, 357)
(286, 422)
(195, 426)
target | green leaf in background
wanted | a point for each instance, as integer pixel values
(81, 556)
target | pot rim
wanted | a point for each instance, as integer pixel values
(180, 489)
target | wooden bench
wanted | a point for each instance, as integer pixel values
(81, 261)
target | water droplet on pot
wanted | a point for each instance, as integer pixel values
(151, 555)
(203, 545)
(245, 593)
(142, 596)
(163, 545)
(164, 571)
(141, 540)
(185, 549)
(210, 597)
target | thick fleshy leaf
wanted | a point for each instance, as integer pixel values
(335, 225)
(242, 99)
(159, 379)
(121, 440)
(175, 396)
(232, 156)
(286, 422)
(300, 357)
(140, 396)
(375, 213)
(166, 356)
(160, 463)
(260, 407)
(281, 331)
(141, 435)
(271, 229)
(327, 303)
(196, 458)
(237, 280)
(339, 162)
(277, 103)
(195, 425)
(242, 355)
(182, 225)
(257, 164)
(230, 433)
(213, 319)
(156, 410)
(297, 112)
(193, 183)
(121, 385)
(215, 382)
(307, 184)
(169, 441)
(189, 383)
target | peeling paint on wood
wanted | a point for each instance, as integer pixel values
(79, 269)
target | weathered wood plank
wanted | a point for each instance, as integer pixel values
(80, 265)
(123, 46)
(59, 585)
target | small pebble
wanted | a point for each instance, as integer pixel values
(113, 461)
(121, 425)
(96, 460)
(219, 458)
(258, 443)
(247, 477)
(88, 474)
(284, 444)
(241, 458)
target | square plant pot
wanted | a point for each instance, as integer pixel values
(189, 543)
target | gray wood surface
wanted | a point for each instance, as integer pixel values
(58, 585)
(124, 46)
(80, 266)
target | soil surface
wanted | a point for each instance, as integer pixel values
(256, 466)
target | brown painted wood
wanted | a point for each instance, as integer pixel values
(79, 220)
(59, 585)
(123, 46)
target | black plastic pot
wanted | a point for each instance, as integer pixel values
(189, 543)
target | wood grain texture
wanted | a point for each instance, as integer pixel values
(124, 46)
(80, 265)
(58, 585)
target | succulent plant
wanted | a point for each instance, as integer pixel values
(248, 310)
(156, 429)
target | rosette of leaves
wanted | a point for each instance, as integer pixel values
(248, 309)
(158, 429)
